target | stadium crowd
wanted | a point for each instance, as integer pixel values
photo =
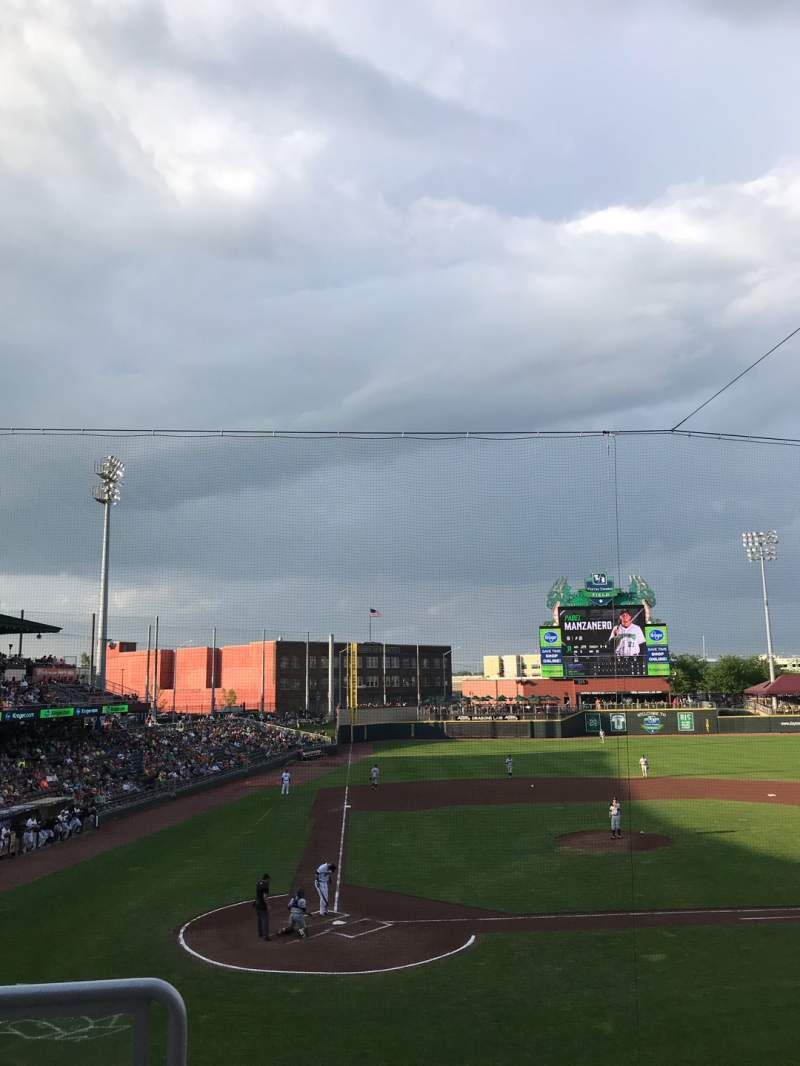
(104, 762)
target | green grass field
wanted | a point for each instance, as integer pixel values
(719, 995)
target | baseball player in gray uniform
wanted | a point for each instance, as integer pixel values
(297, 915)
(615, 814)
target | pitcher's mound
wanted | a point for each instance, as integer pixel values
(599, 842)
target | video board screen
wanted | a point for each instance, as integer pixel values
(604, 642)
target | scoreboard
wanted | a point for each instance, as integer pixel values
(604, 641)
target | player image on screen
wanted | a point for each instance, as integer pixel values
(628, 637)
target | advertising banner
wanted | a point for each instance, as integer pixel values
(550, 651)
(87, 712)
(56, 672)
(20, 716)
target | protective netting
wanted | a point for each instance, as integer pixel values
(454, 541)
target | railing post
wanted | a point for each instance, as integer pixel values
(127, 996)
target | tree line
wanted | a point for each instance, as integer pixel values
(730, 674)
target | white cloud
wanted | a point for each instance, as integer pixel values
(190, 187)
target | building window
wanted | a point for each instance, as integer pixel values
(290, 683)
(373, 662)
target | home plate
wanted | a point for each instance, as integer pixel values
(339, 921)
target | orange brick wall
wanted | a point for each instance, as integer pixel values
(185, 674)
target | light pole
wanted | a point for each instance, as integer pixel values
(762, 547)
(110, 471)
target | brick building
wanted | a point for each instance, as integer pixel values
(275, 672)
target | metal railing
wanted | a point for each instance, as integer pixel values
(131, 996)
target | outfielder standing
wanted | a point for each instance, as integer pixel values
(509, 765)
(286, 780)
(645, 766)
(375, 775)
(322, 883)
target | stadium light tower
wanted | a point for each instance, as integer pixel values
(761, 547)
(110, 472)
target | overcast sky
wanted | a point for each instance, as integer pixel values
(448, 214)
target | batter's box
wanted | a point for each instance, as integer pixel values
(365, 927)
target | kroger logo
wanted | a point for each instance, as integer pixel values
(656, 634)
(550, 637)
(652, 723)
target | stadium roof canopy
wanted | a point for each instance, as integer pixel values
(785, 685)
(10, 624)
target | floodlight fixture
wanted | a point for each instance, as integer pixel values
(111, 472)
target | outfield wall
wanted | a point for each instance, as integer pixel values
(746, 723)
(628, 722)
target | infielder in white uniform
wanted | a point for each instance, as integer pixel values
(628, 636)
(615, 814)
(509, 766)
(645, 766)
(375, 776)
(322, 883)
(286, 780)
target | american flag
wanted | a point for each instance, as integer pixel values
(374, 614)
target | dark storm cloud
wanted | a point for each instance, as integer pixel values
(363, 216)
